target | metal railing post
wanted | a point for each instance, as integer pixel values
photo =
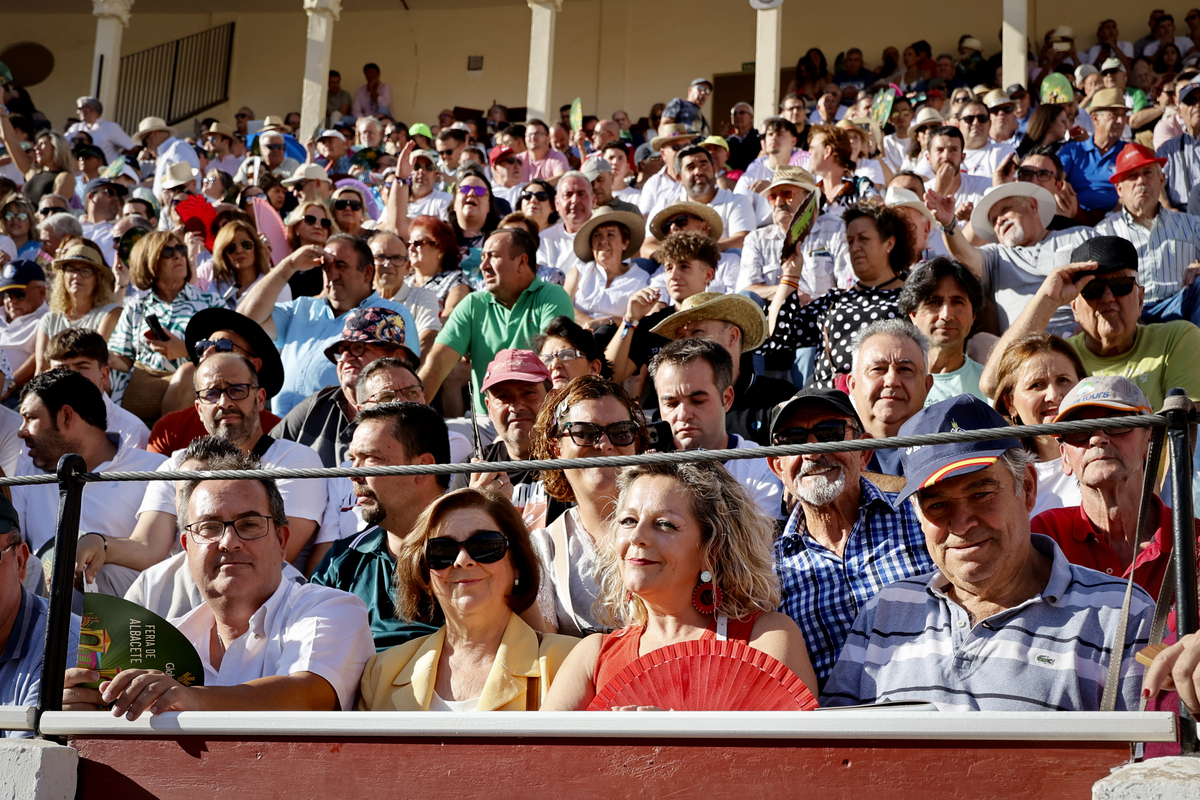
(62, 584)
(1178, 410)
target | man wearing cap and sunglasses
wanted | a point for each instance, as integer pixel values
(23, 293)
(424, 198)
(1006, 622)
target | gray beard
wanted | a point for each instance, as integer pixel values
(824, 492)
(1014, 236)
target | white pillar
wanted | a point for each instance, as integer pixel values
(112, 18)
(767, 46)
(318, 47)
(1013, 35)
(541, 59)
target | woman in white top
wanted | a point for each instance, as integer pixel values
(601, 286)
(81, 297)
(589, 417)
(1034, 375)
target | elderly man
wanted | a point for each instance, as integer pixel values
(574, 202)
(689, 111)
(391, 263)
(85, 351)
(247, 615)
(424, 198)
(669, 141)
(1021, 250)
(105, 134)
(540, 160)
(515, 306)
(1101, 532)
(302, 328)
(1167, 242)
(273, 157)
(102, 201)
(1183, 153)
(324, 421)
(1089, 165)
(161, 146)
(23, 293)
(889, 381)
(694, 381)
(744, 140)
(390, 434)
(1004, 125)
(698, 184)
(846, 539)
(333, 152)
(942, 299)
(1101, 287)
(993, 627)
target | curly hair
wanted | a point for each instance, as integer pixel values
(104, 292)
(414, 593)
(889, 223)
(735, 543)
(544, 436)
(223, 271)
(684, 246)
(443, 238)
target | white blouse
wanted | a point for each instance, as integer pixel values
(596, 299)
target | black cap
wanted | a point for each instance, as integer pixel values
(97, 183)
(1112, 253)
(207, 322)
(8, 516)
(1015, 90)
(89, 151)
(833, 399)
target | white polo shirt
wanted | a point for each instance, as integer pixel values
(301, 628)
(757, 479)
(109, 508)
(736, 211)
(433, 204)
(130, 427)
(107, 135)
(424, 305)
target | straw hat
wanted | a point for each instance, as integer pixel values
(672, 135)
(307, 172)
(179, 174)
(274, 124)
(865, 124)
(219, 129)
(997, 98)
(899, 197)
(699, 210)
(1108, 99)
(979, 217)
(605, 215)
(82, 253)
(150, 125)
(733, 308)
(792, 176)
(927, 116)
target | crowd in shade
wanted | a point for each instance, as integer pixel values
(233, 293)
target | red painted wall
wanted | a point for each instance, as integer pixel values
(567, 769)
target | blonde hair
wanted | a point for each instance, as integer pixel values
(61, 301)
(735, 544)
(143, 260)
(223, 271)
(22, 204)
(298, 214)
(63, 162)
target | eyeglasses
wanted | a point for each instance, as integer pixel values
(220, 345)
(276, 147)
(15, 294)
(232, 247)
(392, 261)
(410, 393)
(541, 197)
(9, 216)
(972, 119)
(1081, 438)
(342, 205)
(676, 222)
(1001, 110)
(75, 268)
(324, 222)
(478, 191)
(49, 210)
(587, 434)
(213, 530)
(1120, 287)
(564, 356)
(1032, 175)
(234, 391)
(5, 550)
(782, 196)
(172, 250)
(485, 547)
(419, 167)
(833, 430)
(355, 349)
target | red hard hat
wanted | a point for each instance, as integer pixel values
(1134, 156)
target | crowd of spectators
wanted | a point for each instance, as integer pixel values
(497, 288)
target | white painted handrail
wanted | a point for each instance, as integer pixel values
(1041, 726)
(17, 718)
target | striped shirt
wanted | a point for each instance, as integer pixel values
(129, 340)
(1183, 167)
(823, 592)
(1050, 653)
(1164, 249)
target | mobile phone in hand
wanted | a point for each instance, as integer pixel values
(156, 328)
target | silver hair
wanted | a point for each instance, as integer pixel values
(91, 102)
(369, 122)
(262, 137)
(896, 326)
(1017, 459)
(736, 106)
(574, 173)
(62, 224)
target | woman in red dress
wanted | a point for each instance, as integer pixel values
(687, 537)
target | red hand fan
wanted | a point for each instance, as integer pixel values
(197, 214)
(706, 675)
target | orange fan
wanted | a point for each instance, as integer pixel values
(706, 675)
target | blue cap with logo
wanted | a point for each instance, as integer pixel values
(18, 274)
(925, 465)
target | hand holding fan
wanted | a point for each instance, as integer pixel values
(706, 675)
(117, 635)
(1056, 88)
(801, 225)
(576, 115)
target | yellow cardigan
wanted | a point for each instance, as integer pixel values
(402, 678)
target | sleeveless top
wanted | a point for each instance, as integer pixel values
(620, 649)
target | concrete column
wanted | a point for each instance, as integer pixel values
(1013, 33)
(112, 18)
(317, 49)
(767, 46)
(1174, 778)
(541, 59)
(37, 769)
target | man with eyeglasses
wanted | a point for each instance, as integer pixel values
(1004, 124)
(450, 144)
(107, 135)
(102, 199)
(63, 412)
(895, 144)
(540, 160)
(51, 204)
(219, 139)
(255, 631)
(324, 420)
(744, 141)
(391, 268)
(845, 539)
(1183, 152)
(272, 156)
(1041, 165)
(688, 111)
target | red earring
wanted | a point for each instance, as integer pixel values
(707, 595)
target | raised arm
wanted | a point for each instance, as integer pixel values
(260, 300)
(396, 216)
(943, 210)
(8, 134)
(617, 353)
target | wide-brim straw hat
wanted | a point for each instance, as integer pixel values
(732, 308)
(927, 116)
(700, 210)
(672, 134)
(82, 253)
(150, 125)
(605, 215)
(979, 217)
(179, 174)
(218, 129)
(307, 172)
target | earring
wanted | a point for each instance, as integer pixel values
(516, 582)
(707, 595)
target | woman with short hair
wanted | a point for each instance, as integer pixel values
(832, 164)
(433, 256)
(602, 284)
(18, 221)
(569, 351)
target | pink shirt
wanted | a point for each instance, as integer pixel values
(555, 163)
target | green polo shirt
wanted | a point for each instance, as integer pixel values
(480, 326)
(362, 566)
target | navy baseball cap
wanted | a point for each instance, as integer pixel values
(18, 274)
(834, 400)
(97, 183)
(925, 465)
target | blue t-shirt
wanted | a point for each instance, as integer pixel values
(21, 661)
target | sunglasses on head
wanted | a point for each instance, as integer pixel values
(541, 197)
(220, 345)
(15, 294)
(478, 191)
(1081, 438)
(342, 205)
(232, 247)
(324, 222)
(485, 547)
(1120, 287)
(833, 430)
(587, 434)
(170, 251)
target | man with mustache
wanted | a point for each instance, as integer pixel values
(1166, 241)
(845, 540)
(698, 184)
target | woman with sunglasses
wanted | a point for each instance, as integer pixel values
(239, 259)
(569, 351)
(81, 296)
(689, 558)
(18, 221)
(473, 216)
(918, 137)
(589, 417)
(469, 557)
(537, 204)
(349, 210)
(309, 224)
(433, 257)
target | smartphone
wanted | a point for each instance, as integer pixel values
(1062, 47)
(661, 438)
(156, 328)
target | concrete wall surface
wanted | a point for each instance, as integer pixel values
(34, 769)
(1175, 778)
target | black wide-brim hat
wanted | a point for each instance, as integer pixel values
(207, 322)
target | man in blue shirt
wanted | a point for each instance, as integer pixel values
(845, 540)
(1089, 165)
(304, 327)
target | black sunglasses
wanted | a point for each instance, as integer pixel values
(45, 212)
(220, 345)
(541, 197)
(676, 222)
(974, 118)
(587, 434)
(1119, 287)
(172, 250)
(485, 547)
(324, 222)
(833, 430)
(232, 247)
(1081, 438)
(342, 205)
(15, 294)
(276, 147)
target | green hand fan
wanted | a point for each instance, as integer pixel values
(801, 225)
(1056, 88)
(117, 635)
(881, 106)
(577, 115)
